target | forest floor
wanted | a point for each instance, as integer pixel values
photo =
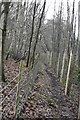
(45, 100)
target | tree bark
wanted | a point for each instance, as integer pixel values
(63, 62)
(68, 73)
(79, 109)
(58, 65)
(34, 49)
(0, 52)
(28, 58)
(79, 54)
(6, 10)
(71, 50)
(50, 58)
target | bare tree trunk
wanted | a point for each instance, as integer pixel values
(6, 10)
(59, 39)
(0, 52)
(50, 58)
(71, 50)
(31, 34)
(9, 46)
(79, 109)
(47, 57)
(58, 65)
(53, 44)
(68, 73)
(79, 54)
(63, 62)
(53, 36)
(15, 32)
(0, 60)
(34, 49)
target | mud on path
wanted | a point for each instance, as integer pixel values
(66, 107)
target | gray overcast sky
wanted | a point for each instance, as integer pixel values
(50, 4)
(50, 7)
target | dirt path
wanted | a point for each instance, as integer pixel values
(45, 100)
(65, 106)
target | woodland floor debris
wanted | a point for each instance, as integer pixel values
(45, 100)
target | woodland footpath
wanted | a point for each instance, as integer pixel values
(39, 61)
